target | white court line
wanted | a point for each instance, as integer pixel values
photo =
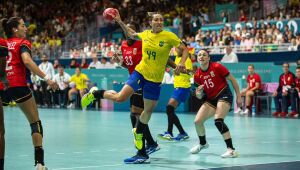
(94, 151)
(59, 153)
(86, 167)
(284, 141)
(266, 142)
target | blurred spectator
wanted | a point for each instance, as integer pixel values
(56, 64)
(73, 63)
(167, 77)
(243, 17)
(111, 64)
(62, 79)
(230, 56)
(253, 86)
(48, 69)
(293, 46)
(95, 63)
(103, 63)
(37, 88)
(80, 81)
(285, 92)
(224, 17)
(84, 64)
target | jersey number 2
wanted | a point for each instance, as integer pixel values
(8, 60)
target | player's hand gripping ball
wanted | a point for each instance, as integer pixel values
(110, 13)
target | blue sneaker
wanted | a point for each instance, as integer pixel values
(165, 136)
(138, 159)
(181, 137)
(152, 148)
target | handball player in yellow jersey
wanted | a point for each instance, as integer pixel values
(148, 75)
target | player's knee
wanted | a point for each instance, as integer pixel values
(36, 127)
(249, 93)
(221, 126)
(170, 109)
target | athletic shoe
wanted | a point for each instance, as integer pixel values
(138, 139)
(293, 114)
(41, 167)
(283, 114)
(238, 111)
(71, 106)
(230, 153)
(165, 136)
(138, 159)
(246, 112)
(152, 148)
(88, 98)
(276, 114)
(196, 149)
(181, 137)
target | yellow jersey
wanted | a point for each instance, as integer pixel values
(79, 81)
(183, 80)
(156, 49)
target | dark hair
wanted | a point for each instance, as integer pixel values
(206, 50)
(151, 14)
(286, 63)
(298, 67)
(251, 65)
(9, 24)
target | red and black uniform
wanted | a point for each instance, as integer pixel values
(16, 71)
(132, 55)
(215, 83)
(297, 83)
(253, 79)
(3, 53)
(287, 79)
(286, 84)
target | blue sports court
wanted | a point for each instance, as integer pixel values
(100, 140)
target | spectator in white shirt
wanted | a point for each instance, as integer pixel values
(48, 69)
(62, 79)
(111, 64)
(95, 63)
(167, 77)
(230, 56)
(293, 46)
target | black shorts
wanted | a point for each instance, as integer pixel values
(137, 99)
(5, 97)
(225, 96)
(19, 94)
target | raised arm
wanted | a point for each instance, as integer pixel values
(128, 31)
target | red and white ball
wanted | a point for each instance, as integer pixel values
(110, 13)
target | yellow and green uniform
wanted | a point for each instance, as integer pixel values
(156, 49)
(80, 81)
(183, 80)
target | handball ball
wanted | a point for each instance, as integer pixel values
(108, 12)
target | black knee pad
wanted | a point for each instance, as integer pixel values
(221, 126)
(36, 127)
(170, 109)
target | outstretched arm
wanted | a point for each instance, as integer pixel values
(128, 31)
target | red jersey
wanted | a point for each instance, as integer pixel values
(252, 80)
(132, 55)
(287, 79)
(297, 82)
(3, 53)
(213, 79)
(15, 68)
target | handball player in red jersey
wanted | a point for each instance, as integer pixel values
(131, 56)
(211, 79)
(3, 54)
(18, 62)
